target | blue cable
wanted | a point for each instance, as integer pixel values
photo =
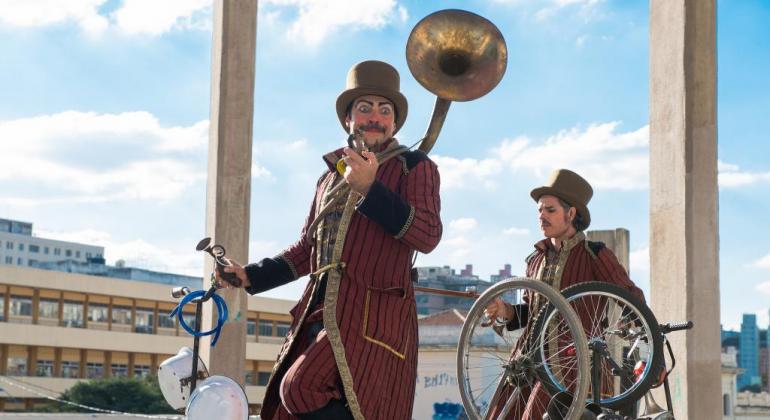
(221, 319)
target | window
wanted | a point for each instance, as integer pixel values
(77, 254)
(72, 314)
(283, 328)
(48, 308)
(189, 319)
(119, 369)
(68, 253)
(97, 312)
(19, 261)
(21, 247)
(31, 262)
(45, 250)
(17, 366)
(265, 327)
(726, 405)
(251, 377)
(144, 319)
(262, 378)
(9, 259)
(88, 255)
(21, 306)
(70, 369)
(9, 245)
(94, 370)
(56, 251)
(121, 315)
(44, 368)
(141, 371)
(251, 327)
(2, 307)
(34, 248)
(165, 321)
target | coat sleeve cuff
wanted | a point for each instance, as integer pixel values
(269, 273)
(387, 209)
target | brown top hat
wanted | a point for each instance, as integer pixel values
(373, 78)
(570, 187)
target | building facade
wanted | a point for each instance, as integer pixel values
(18, 247)
(748, 354)
(446, 278)
(58, 328)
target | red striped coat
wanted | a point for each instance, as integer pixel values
(371, 299)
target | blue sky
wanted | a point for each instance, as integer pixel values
(105, 105)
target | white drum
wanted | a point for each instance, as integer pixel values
(218, 397)
(173, 374)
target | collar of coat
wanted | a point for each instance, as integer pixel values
(331, 158)
(567, 245)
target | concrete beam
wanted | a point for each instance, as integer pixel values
(228, 198)
(684, 236)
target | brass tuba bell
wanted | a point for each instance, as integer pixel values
(458, 56)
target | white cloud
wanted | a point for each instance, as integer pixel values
(315, 20)
(157, 17)
(731, 176)
(39, 13)
(585, 7)
(463, 224)
(639, 260)
(514, 231)
(459, 173)
(136, 252)
(763, 262)
(606, 158)
(89, 157)
(764, 287)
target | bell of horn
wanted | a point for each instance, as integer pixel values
(458, 56)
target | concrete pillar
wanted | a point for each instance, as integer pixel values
(229, 171)
(618, 241)
(684, 238)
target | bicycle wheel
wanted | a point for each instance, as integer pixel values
(496, 367)
(623, 332)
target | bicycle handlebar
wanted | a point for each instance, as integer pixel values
(669, 327)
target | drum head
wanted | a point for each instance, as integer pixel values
(218, 397)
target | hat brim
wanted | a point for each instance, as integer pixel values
(348, 96)
(582, 209)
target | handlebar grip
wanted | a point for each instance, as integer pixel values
(669, 327)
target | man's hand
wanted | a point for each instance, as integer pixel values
(360, 173)
(233, 268)
(499, 309)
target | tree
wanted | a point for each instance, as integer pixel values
(128, 395)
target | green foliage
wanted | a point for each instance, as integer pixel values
(128, 395)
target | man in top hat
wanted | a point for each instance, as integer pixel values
(352, 348)
(563, 259)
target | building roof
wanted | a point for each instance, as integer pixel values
(448, 317)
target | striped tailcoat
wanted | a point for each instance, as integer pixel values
(579, 261)
(369, 307)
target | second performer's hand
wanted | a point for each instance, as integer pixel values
(239, 271)
(498, 309)
(360, 173)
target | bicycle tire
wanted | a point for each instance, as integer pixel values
(639, 313)
(475, 318)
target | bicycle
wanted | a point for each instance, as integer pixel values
(625, 352)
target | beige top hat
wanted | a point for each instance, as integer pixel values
(373, 78)
(570, 187)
